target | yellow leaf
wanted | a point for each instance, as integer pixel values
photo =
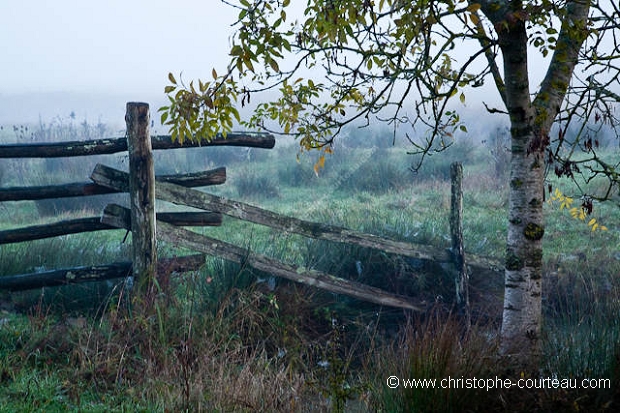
(319, 164)
(592, 222)
(473, 7)
(474, 19)
(214, 74)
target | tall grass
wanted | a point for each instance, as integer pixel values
(228, 338)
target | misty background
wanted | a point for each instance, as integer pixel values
(90, 58)
(83, 61)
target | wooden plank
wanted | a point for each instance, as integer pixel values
(65, 227)
(113, 178)
(83, 274)
(117, 215)
(141, 194)
(188, 219)
(115, 145)
(301, 275)
(65, 276)
(89, 224)
(64, 149)
(245, 139)
(213, 177)
(31, 193)
(191, 219)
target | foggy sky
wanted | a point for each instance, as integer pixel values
(91, 57)
(112, 46)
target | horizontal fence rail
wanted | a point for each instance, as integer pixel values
(115, 145)
(66, 276)
(91, 224)
(32, 193)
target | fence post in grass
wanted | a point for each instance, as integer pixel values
(461, 280)
(142, 194)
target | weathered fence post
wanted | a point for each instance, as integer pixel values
(461, 280)
(142, 193)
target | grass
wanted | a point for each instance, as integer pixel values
(227, 338)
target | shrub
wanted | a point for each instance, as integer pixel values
(434, 348)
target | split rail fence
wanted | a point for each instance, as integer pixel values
(147, 226)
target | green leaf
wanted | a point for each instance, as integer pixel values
(172, 79)
(236, 50)
(274, 65)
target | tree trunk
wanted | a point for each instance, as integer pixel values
(530, 125)
(520, 335)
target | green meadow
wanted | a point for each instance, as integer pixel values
(229, 338)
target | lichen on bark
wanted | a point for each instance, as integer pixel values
(533, 231)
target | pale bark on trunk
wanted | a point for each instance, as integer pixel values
(530, 123)
(523, 281)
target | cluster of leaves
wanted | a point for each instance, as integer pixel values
(579, 213)
(365, 48)
(202, 112)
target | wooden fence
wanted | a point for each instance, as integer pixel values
(147, 226)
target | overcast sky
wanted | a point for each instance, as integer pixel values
(120, 48)
(115, 47)
(109, 46)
